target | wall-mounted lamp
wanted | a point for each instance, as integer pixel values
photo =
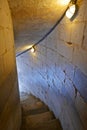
(70, 13)
(32, 49)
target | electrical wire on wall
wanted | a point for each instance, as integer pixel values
(71, 2)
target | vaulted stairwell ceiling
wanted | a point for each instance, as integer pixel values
(32, 19)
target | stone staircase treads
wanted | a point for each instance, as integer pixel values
(48, 125)
(35, 111)
(39, 118)
(32, 106)
(29, 99)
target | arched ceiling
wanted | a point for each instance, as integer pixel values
(32, 19)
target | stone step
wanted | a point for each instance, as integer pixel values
(28, 99)
(36, 115)
(49, 125)
(35, 111)
(28, 106)
(39, 118)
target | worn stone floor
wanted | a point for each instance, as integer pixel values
(36, 115)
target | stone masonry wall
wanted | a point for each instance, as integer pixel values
(10, 112)
(57, 71)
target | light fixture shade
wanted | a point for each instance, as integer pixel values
(71, 11)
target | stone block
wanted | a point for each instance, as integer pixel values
(65, 50)
(69, 70)
(77, 33)
(2, 42)
(81, 107)
(80, 81)
(61, 62)
(51, 41)
(63, 34)
(8, 38)
(42, 49)
(70, 88)
(5, 20)
(9, 64)
(9, 109)
(80, 59)
(85, 38)
(60, 73)
(1, 69)
(5, 87)
(51, 55)
(17, 118)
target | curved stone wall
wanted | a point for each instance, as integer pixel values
(57, 71)
(33, 18)
(10, 112)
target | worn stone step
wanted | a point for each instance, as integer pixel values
(28, 106)
(39, 118)
(49, 125)
(34, 111)
(36, 115)
(28, 99)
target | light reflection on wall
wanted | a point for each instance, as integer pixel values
(63, 2)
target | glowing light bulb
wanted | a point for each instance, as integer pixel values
(71, 11)
(32, 50)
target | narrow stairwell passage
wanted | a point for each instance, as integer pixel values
(36, 115)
